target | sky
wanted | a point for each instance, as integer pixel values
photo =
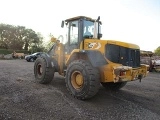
(133, 21)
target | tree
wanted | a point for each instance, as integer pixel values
(157, 51)
(37, 43)
(19, 37)
(48, 44)
(29, 38)
(16, 38)
(6, 35)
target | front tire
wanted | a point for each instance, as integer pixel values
(114, 86)
(43, 74)
(82, 80)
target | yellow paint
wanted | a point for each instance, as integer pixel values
(68, 57)
(59, 56)
(53, 39)
(104, 42)
(77, 80)
(107, 72)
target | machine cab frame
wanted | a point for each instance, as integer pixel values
(79, 29)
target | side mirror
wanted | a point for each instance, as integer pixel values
(62, 24)
(98, 19)
(53, 39)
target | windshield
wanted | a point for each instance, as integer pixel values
(88, 29)
(35, 53)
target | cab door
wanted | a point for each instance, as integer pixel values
(73, 37)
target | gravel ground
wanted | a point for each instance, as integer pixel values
(22, 98)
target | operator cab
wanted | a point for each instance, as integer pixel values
(79, 29)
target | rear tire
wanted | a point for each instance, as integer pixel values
(82, 80)
(43, 74)
(114, 86)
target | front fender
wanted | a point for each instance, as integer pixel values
(51, 62)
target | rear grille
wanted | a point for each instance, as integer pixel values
(125, 56)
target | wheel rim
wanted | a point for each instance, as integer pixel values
(77, 80)
(39, 69)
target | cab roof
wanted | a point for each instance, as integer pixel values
(80, 17)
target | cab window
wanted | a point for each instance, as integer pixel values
(74, 32)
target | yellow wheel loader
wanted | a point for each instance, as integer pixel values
(85, 61)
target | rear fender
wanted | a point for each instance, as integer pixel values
(95, 57)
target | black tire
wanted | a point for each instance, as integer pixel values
(31, 60)
(43, 74)
(114, 86)
(88, 74)
(27, 60)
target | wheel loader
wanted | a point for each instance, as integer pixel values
(87, 62)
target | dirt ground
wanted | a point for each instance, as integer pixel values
(22, 98)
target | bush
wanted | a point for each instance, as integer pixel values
(22, 51)
(9, 51)
(5, 52)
